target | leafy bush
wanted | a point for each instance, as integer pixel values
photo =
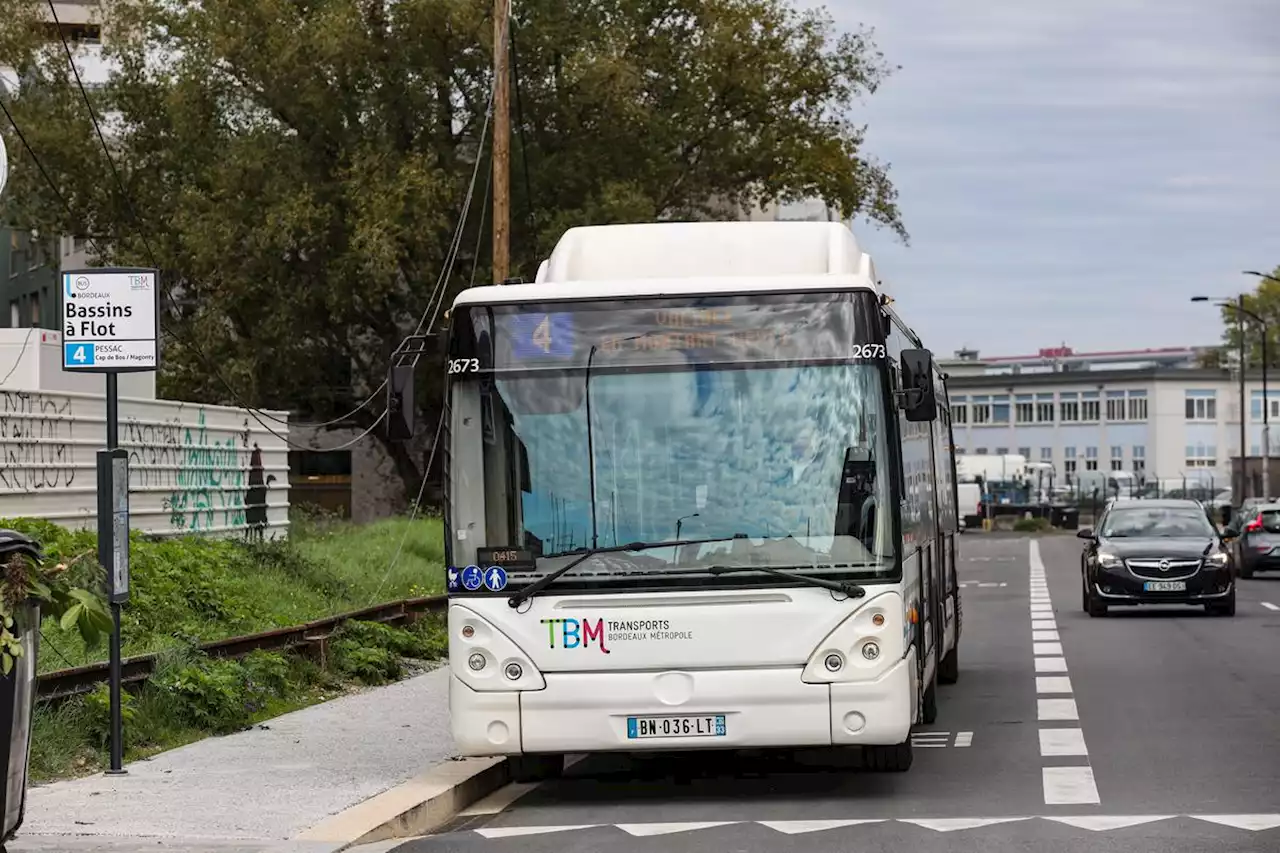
(1032, 525)
(201, 589)
(98, 720)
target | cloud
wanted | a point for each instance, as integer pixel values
(1065, 166)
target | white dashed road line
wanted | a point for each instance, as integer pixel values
(1059, 739)
(1269, 605)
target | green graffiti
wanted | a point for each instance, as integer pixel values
(210, 483)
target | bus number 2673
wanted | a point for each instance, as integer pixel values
(463, 365)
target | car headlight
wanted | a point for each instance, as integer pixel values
(1108, 561)
(1218, 559)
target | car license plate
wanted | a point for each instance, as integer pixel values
(705, 725)
(1165, 586)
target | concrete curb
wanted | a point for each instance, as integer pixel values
(417, 807)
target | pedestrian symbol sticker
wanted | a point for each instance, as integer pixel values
(495, 579)
(472, 577)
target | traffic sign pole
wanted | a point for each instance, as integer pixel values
(111, 325)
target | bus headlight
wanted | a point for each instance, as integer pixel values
(484, 658)
(863, 645)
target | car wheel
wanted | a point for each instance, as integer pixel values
(1092, 605)
(949, 668)
(1246, 570)
(894, 758)
(1226, 608)
(535, 768)
(929, 704)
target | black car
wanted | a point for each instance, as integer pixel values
(1255, 538)
(1156, 552)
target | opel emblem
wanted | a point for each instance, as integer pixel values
(1164, 565)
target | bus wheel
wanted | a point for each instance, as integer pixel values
(535, 768)
(949, 667)
(929, 704)
(894, 758)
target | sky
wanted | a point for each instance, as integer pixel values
(1073, 171)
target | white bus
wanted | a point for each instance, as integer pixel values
(701, 494)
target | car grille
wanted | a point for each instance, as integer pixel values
(1161, 569)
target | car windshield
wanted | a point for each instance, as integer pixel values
(1157, 521)
(763, 462)
(1270, 520)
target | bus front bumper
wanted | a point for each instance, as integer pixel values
(724, 709)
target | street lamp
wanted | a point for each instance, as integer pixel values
(1241, 313)
(680, 521)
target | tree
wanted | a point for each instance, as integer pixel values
(1265, 302)
(296, 169)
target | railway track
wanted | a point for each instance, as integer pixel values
(65, 683)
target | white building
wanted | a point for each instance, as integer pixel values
(1151, 412)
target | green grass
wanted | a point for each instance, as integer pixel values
(194, 590)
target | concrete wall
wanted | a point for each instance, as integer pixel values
(193, 468)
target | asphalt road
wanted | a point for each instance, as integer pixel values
(1142, 731)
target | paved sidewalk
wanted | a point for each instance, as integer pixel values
(262, 786)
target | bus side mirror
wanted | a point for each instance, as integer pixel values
(917, 399)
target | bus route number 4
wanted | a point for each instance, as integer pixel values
(80, 355)
(542, 334)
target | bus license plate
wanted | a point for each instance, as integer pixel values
(708, 725)
(1165, 586)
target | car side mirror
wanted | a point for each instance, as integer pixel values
(1084, 533)
(917, 399)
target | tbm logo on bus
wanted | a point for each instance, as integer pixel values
(575, 633)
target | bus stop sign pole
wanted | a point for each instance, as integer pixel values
(111, 325)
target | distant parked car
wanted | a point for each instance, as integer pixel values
(1255, 539)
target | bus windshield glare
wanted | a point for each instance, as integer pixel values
(751, 427)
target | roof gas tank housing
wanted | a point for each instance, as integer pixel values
(689, 250)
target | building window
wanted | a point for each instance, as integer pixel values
(1070, 468)
(1202, 456)
(1115, 405)
(15, 251)
(1046, 454)
(1117, 458)
(1025, 452)
(1069, 408)
(1202, 406)
(1024, 409)
(15, 315)
(1255, 406)
(1044, 408)
(1091, 459)
(981, 410)
(1000, 409)
(1090, 407)
(34, 306)
(1139, 459)
(979, 451)
(959, 410)
(1137, 405)
(1002, 451)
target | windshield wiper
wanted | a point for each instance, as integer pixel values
(850, 589)
(545, 581)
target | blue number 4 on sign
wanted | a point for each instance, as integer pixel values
(495, 578)
(77, 355)
(542, 335)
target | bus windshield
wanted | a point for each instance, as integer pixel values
(760, 451)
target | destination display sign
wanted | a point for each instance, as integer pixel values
(709, 329)
(110, 320)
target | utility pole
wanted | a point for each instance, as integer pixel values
(1244, 476)
(501, 143)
